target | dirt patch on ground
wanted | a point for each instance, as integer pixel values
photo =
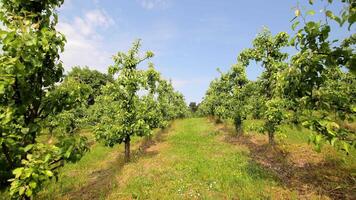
(298, 167)
(102, 181)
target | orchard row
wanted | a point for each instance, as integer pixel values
(37, 101)
(315, 87)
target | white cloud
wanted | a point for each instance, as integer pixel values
(99, 18)
(182, 83)
(152, 4)
(178, 84)
(84, 43)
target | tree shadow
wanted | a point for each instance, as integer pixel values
(325, 177)
(102, 182)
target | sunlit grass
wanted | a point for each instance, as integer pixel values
(196, 165)
(74, 176)
(190, 161)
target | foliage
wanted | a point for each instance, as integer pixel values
(267, 50)
(79, 89)
(93, 78)
(226, 97)
(193, 107)
(255, 101)
(230, 94)
(29, 69)
(316, 81)
(135, 103)
(315, 87)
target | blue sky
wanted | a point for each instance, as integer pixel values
(190, 38)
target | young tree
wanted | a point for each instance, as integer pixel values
(237, 102)
(123, 106)
(220, 93)
(193, 107)
(170, 102)
(226, 96)
(136, 102)
(267, 50)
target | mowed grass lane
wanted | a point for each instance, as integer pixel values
(193, 163)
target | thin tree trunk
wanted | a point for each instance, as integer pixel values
(127, 149)
(271, 138)
(238, 126)
(7, 155)
(26, 197)
(239, 130)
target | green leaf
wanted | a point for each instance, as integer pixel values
(29, 156)
(295, 24)
(346, 147)
(22, 190)
(329, 14)
(2, 88)
(49, 173)
(311, 12)
(318, 139)
(353, 108)
(338, 20)
(29, 192)
(48, 156)
(68, 152)
(17, 172)
(28, 172)
(33, 184)
(28, 147)
(332, 142)
(25, 130)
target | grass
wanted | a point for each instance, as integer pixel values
(197, 159)
(95, 169)
(75, 176)
(321, 175)
(194, 164)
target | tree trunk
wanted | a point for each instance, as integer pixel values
(127, 149)
(238, 126)
(7, 155)
(239, 130)
(26, 197)
(271, 138)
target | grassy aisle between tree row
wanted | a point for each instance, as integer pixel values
(194, 159)
(188, 161)
(193, 164)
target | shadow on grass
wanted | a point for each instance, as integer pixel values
(102, 182)
(326, 177)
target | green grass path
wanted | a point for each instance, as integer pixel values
(192, 160)
(193, 163)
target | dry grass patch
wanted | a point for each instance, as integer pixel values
(313, 175)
